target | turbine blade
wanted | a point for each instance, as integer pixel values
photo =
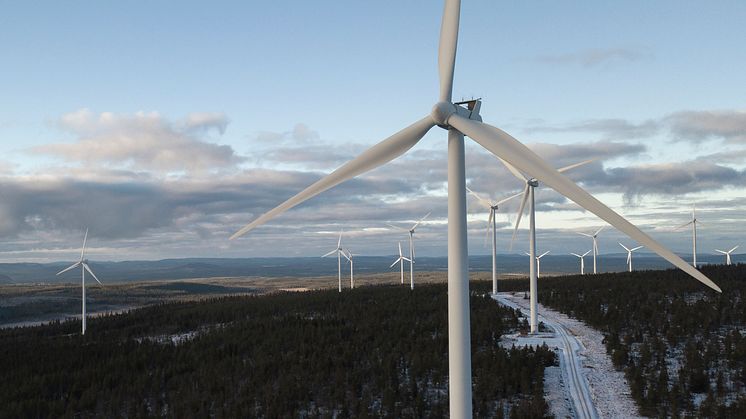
(636, 248)
(339, 242)
(585, 234)
(572, 166)
(397, 227)
(489, 226)
(683, 225)
(85, 238)
(625, 247)
(586, 253)
(400, 254)
(599, 230)
(520, 214)
(74, 265)
(345, 255)
(330, 253)
(502, 201)
(395, 262)
(379, 154)
(481, 200)
(543, 254)
(575, 254)
(85, 266)
(500, 143)
(447, 47)
(629, 256)
(734, 248)
(421, 220)
(406, 259)
(517, 173)
(717, 250)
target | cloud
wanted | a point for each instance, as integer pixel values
(144, 141)
(609, 129)
(729, 125)
(300, 133)
(595, 57)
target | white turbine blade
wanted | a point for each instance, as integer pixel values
(502, 201)
(489, 226)
(517, 173)
(339, 242)
(421, 220)
(82, 251)
(85, 266)
(447, 48)
(734, 248)
(572, 166)
(585, 234)
(600, 229)
(379, 154)
(720, 251)
(527, 254)
(507, 147)
(636, 248)
(625, 247)
(400, 254)
(520, 214)
(395, 262)
(683, 225)
(595, 246)
(543, 254)
(74, 265)
(575, 254)
(629, 257)
(406, 259)
(586, 253)
(397, 227)
(481, 200)
(345, 255)
(330, 253)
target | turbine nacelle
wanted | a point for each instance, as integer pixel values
(442, 111)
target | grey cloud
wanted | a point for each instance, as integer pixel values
(206, 121)
(729, 125)
(300, 133)
(596, 57)
(143, 141)
(610, 129)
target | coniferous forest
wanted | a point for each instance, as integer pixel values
(370, 352)
(681, 345)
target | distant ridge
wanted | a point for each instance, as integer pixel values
(310, 266)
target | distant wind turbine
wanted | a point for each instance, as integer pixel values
(528, 196)
(629, 254)
(83, 263)
(350, 261)
(727, 254)
(594, 236)
(411, 247)
(463, 119)
(538, 262)
(693, 222)
(493, 207)
(339, 251)
(582, 261)
(400, 261)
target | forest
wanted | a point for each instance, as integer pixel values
(376, 351)
(681, 345)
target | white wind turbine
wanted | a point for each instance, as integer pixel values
(538, 264)
(459, 119)
(582, 261)
(83, 263)
(339, 251)
(493, 207)
(411, 247)
(629, 254)
(528, 196)
(594, 236)
(401, 261)
(350, 261)
(693, 222)
(727, 254)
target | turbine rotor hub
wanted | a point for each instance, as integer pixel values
(441, 112)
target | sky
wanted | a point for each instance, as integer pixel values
(164, 127)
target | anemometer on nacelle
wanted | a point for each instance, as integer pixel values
(470, 109)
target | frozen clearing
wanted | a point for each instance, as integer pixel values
(588, 386)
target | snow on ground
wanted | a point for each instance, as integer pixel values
(608, 387)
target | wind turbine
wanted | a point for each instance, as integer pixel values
(727, 254)
(83, 263)
(594, 236)
(400, 261)
(493, 207)
(528, 196)
(582, 261)
(459, 119)
(693, 222)
(411, 247)
(538, 265)
(351, 261)
(629, 254)
(339, 251)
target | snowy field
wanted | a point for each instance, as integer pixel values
(606, 387)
